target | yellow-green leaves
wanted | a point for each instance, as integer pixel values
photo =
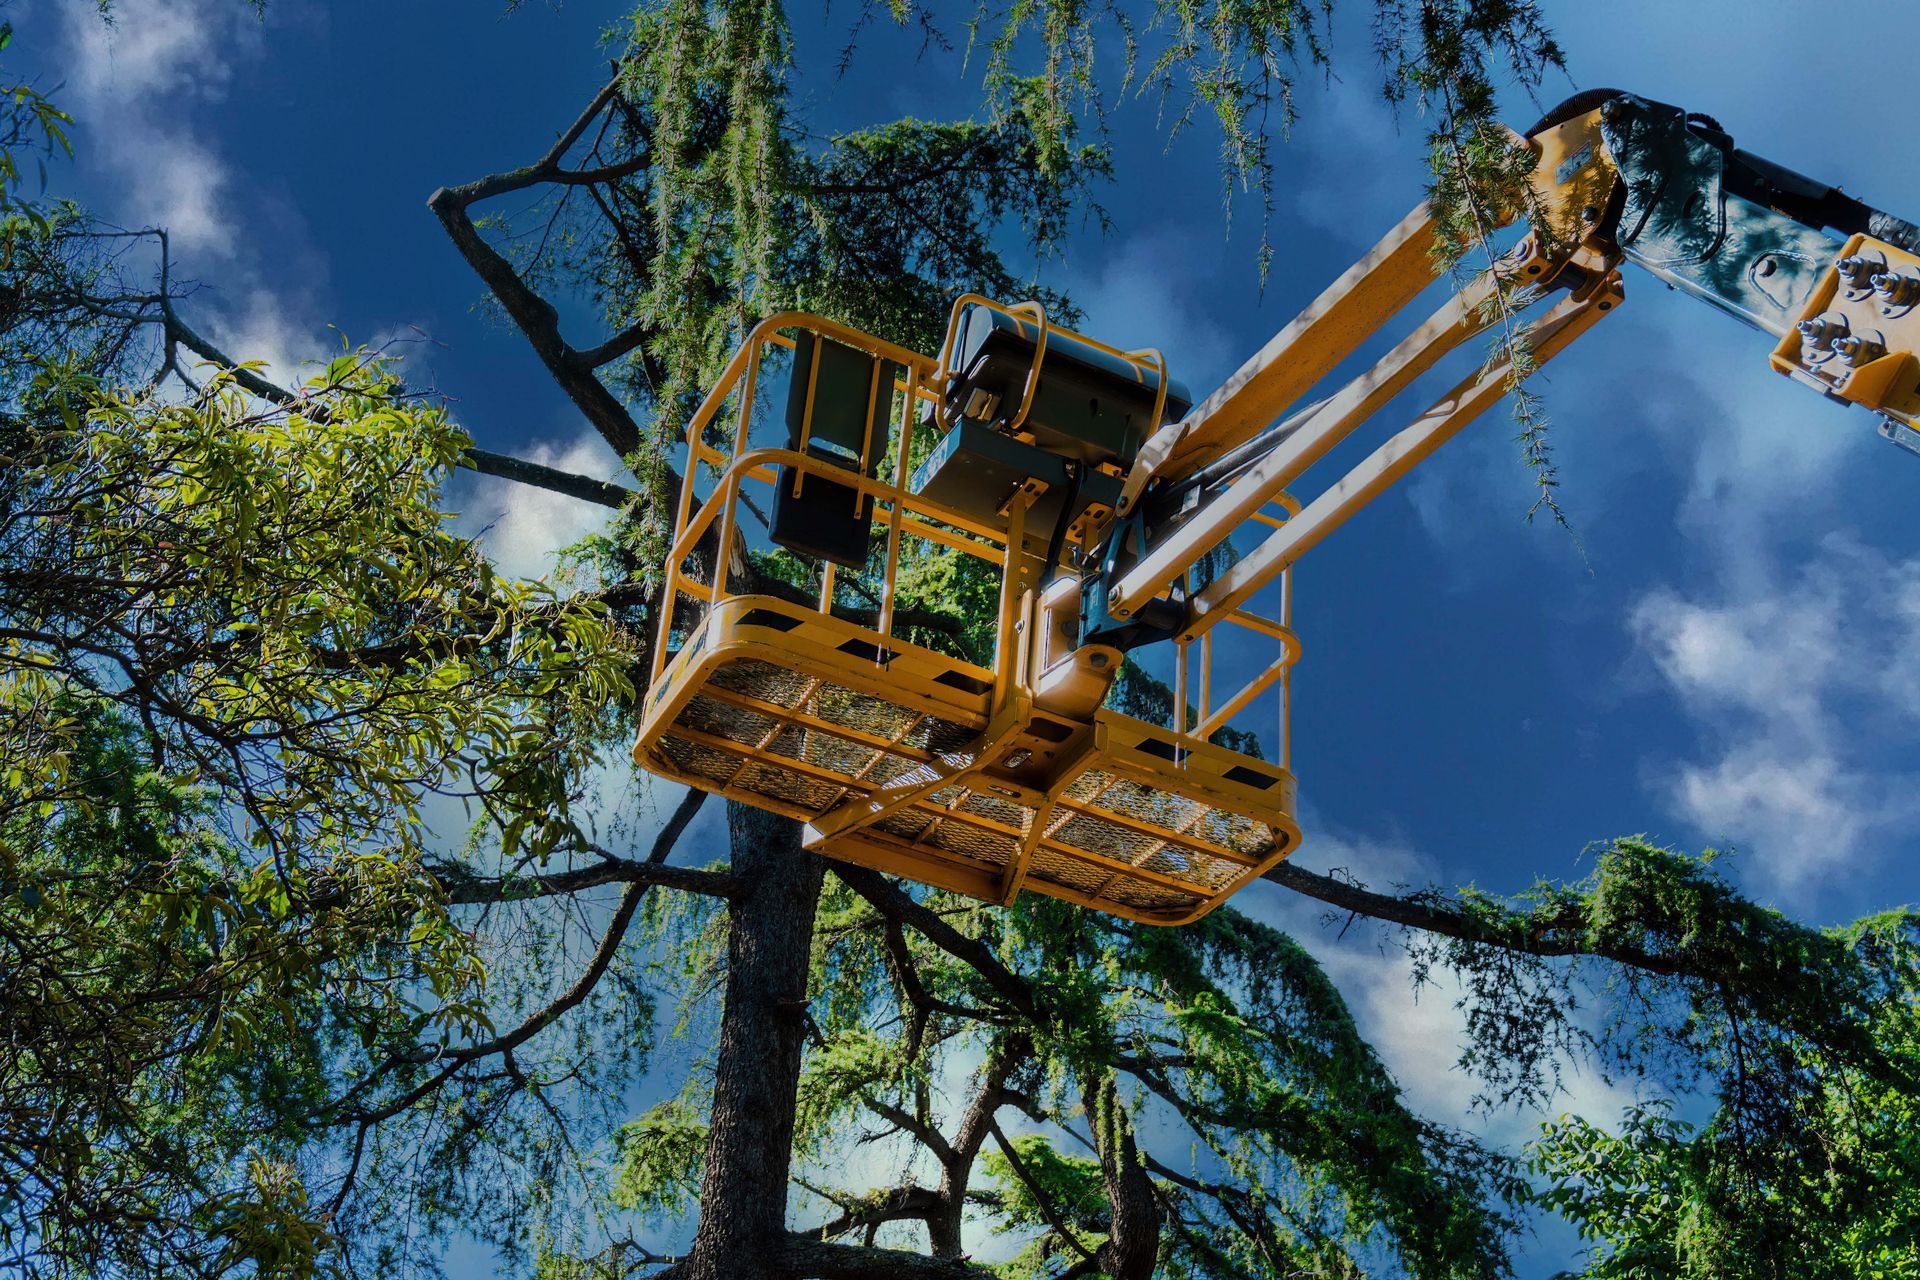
(31, 127)
(658, 1158)
(271, 1227)
(243, 654)
(297, 613)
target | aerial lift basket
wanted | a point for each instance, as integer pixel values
(913, 761)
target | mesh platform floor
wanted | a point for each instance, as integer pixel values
(801, 745)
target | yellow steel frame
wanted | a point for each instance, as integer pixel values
(1550, 335)
(910, 760)
(1561, 249)
(1889, 383)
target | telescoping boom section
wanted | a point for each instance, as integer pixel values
(914, 601)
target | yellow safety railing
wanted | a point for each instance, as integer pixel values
(902, 757)
(736, 392)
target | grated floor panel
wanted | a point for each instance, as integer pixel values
(803, 745)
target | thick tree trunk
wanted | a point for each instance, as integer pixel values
(743, 1199)
(1132, 1247)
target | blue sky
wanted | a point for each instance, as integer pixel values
(1722, 659)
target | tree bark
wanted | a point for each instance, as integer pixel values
(585, 488)
(1132, 1247)
(743, 1195)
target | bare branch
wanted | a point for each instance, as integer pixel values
(535, 316)
(456, 1059)
(613, 348)
(585, 488)
(1564, 935)
(463, 890)
(1040, 1197)
(881, 894)
(179, 331)
(895, 1205)
(929, 1137)
(582, 987)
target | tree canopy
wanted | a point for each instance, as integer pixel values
(316, 953)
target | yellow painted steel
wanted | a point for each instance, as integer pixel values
(1888, 378)
(1474, 395)
(1574, 179)
(763, 705)
(1331, 328)
(1318, 430)
(911, 760)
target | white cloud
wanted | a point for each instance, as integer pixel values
(157, 46)
(136, 82)
(521, 526)
(1786, 676)
(146, 89)
(175, 182)
(262, 328)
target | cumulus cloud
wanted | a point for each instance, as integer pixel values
(1783, 675)
(519, 526)
(136, 81)
(258, 326)
(175, 182)
(154, 46)
(147, 87)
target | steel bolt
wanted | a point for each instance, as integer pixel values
(1821, 333)
(1858, 271)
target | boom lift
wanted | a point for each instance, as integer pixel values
(1087, 480)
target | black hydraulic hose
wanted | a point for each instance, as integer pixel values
(1227, 467)
(1058, 542)
(1895, 231)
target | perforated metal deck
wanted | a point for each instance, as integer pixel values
(769, 702)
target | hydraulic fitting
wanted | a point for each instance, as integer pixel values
(1896, 288)
(1858, 270)
(1819, 333)
(1859, 349)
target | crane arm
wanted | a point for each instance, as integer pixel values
(1618, 179)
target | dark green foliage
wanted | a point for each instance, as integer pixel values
(1284, 1140)
(139, 965)
(1238, 60)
